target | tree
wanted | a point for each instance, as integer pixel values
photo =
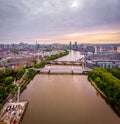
(2, 94)
(19, 73)
(115, 72)
(10, 87)
(40, 65)
(2, 76)
(9, 72)
(8, 80)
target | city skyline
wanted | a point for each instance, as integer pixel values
(60, 21)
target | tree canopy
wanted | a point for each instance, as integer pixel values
(108, 81)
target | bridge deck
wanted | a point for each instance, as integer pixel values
(59, 72)
(57, 69)
(65, 62)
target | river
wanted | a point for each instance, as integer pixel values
(65, 99)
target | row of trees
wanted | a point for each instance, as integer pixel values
(52, 57)
(6, 81)
(56, 56)
(109, 82)
(27, 78)
(40, 65)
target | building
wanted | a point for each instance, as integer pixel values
(70, 45)
(108, 65)
(118, 49)
(76, 46)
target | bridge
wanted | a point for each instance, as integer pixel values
(57, 69)
(55, 62)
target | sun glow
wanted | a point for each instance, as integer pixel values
(77, 4)
(74, 4)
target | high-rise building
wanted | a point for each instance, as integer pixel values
(70, 47)
(95, 51)
(76, 45)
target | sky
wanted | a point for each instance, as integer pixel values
(59, 21)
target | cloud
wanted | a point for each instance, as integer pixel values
(24, 20)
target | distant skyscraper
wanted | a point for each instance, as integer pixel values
(37, 45)
(76, 45)
(95, 50)
(70, 45)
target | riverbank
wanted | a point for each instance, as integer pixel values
(56, 56)
(107, 85)
(104, 96)
(27, 78)
(96, 87)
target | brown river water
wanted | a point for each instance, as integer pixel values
(65, 99)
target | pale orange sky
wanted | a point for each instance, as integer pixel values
(98, 37)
